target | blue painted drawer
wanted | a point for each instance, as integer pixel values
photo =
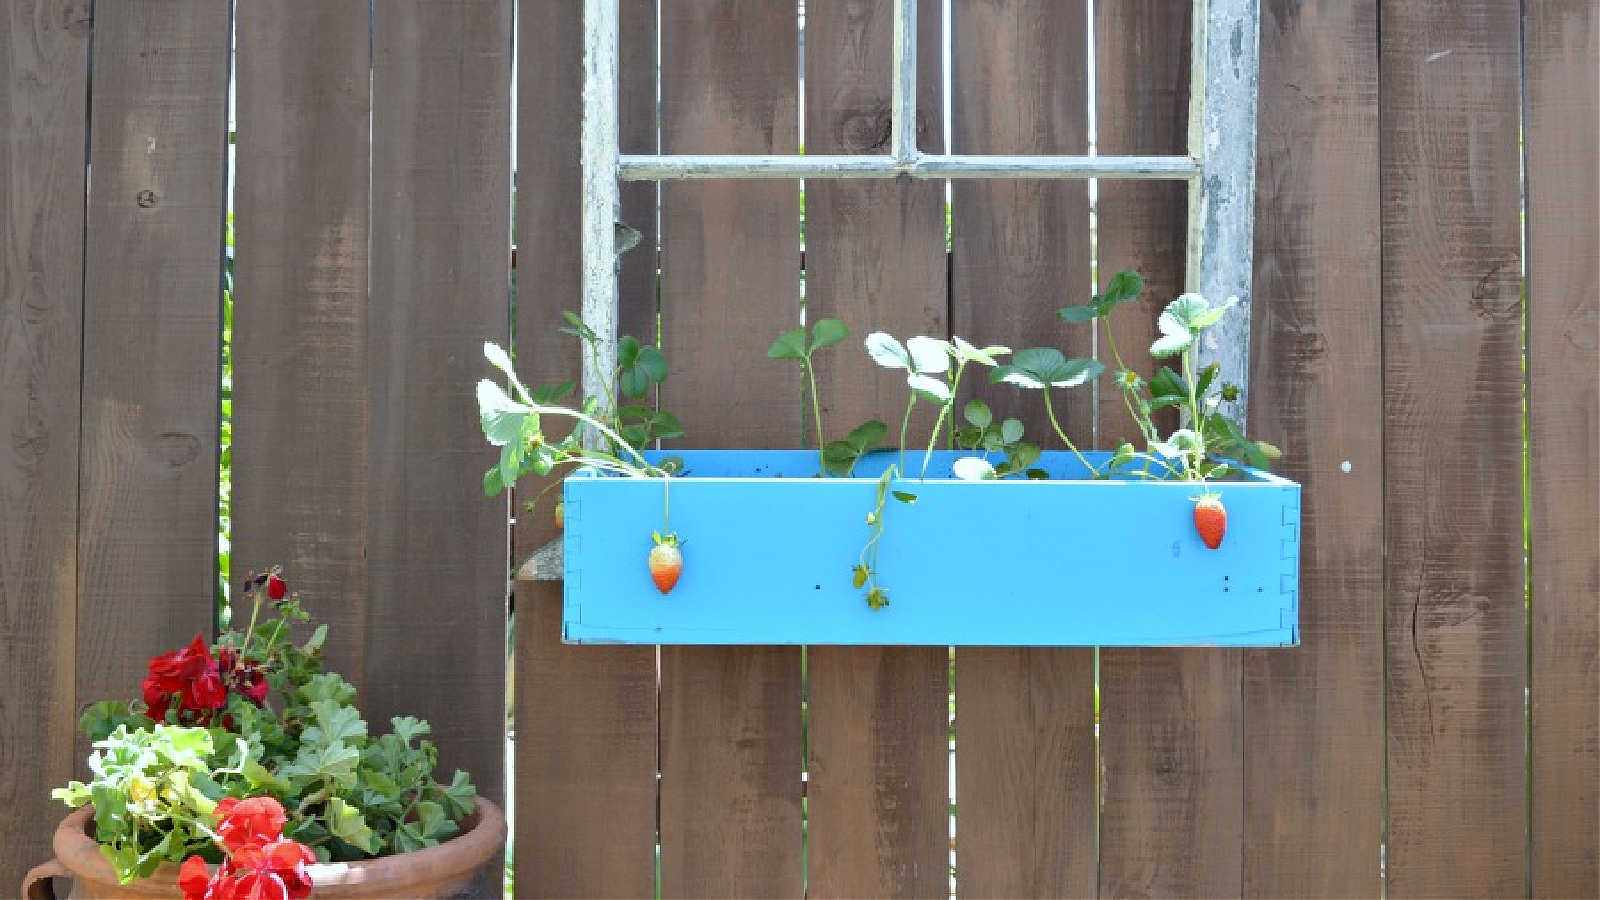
(769, 550)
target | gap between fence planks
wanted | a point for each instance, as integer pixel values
(878, 817)
(1562, 46)
(1024, 717)
(44, 52)
(1452, 357)
(730, 716)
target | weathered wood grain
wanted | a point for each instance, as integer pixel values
(1561, 46)
(586, 736)
(1452, 382)
(1313, 747)
(152, 328)
(1025, 778)
(441, 194)
(1171, 722)
(586, 760)
(878, 784)
(302, 415)
(44, 64)
(730, 717)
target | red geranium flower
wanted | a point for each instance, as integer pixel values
(260, 863)
(194, 878)
(250, 822)
(190, 674)
(245, 678)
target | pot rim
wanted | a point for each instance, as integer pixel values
(482, 834)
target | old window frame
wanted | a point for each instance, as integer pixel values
(1219, 167)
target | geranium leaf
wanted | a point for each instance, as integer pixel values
(409, 728)
(335, 723)
(346, 823)
(458, 797)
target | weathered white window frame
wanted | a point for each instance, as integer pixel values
(1220, 167)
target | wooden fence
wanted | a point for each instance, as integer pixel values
(1436, 734)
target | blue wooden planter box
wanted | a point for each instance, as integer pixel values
(769, 550)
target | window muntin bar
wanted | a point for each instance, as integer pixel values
(660, 168)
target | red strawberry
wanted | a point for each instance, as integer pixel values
(276, 588)
(666, 561)
(1210, 519)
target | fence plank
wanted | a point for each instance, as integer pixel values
(586, 760)
(1561, 42)
(878, 786)
(441, 193)
(1171, 722)
(1452, 348)
(1025, 718)
(43, 118)
(301, 413)
(152, 327)
(730, 717)
(1313, 752)
(586, 716)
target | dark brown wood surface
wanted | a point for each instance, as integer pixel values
(586, 760)
(878, 784)
(585, 716)
(152, 305)
(1562, 46)
(1025, 752)
(44, 46)
(302, 423)
(1452, 524)
(441, 121)
(730, 717)
(1313, 749)
(1171, 722)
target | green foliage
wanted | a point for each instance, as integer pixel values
(514, 421)
(348, 793)
(795, 345)
(1200, 450)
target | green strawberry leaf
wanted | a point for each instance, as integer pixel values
(1124, 286)
(789, 345)
(826, 333)
(1078, 314)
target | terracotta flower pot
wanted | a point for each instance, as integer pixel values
(447, 870)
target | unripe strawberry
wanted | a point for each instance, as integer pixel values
(666, 561)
